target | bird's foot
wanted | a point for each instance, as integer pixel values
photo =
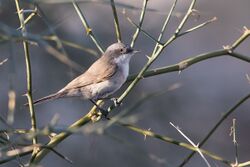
(104, 113)
(116, 102)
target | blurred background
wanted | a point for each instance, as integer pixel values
(202, 94)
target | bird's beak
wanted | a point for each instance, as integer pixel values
(131, 50)
(136, 51)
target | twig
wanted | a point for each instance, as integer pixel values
(15, 35)
(3, 61)
(86, 26)
(33, 13)
(60, 137)
(189, 62)
(244, 164)
(185, 18)
(192, 143)
(28, 73)
(198, 26)
(137, 31)
(173, 141)
(233, 134)
(63, 54)
(245, 34)
(116, 21)
(166, 22)
(139, 103)
(73, 45)
(145, 32)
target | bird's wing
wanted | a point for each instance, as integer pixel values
(93, 75)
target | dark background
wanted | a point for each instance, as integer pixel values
(208, 89)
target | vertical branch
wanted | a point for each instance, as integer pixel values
(135, 36)
(86, 26)
(233, 134)
(116, 21)
(163, 29)
(185, 18)
(28, 73)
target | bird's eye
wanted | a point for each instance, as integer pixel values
(121, 50)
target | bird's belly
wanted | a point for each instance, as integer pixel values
(104, 89)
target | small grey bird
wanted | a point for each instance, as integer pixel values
(104, 77)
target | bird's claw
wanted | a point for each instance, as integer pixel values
(116, 102)
(104, 113)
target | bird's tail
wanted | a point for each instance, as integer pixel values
(47, 98)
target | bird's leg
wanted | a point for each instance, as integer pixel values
(114, 100)
(103, 111)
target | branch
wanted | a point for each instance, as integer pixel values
(116, 21)
(198, 26)
(28, 73)
(188, 62)
(60, 137)
(173, 141)
(163, 29)
(180, 66)
(143, 31)
(136, 34)
(13, 34)
(86, 26)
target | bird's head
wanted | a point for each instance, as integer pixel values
(120, 53)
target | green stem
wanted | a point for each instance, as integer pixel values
(172, 141)
(116, 22)
(86, 26)
(137, 31)
(29, 76)
(163, 29)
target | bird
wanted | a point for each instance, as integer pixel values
(103, 78)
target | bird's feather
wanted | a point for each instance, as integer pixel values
(92, 75)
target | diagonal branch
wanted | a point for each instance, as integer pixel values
(172, 141)
(138, 29)
(116, 21)
(87, 27)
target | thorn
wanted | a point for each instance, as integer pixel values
(4, 61)
(96, 117)
(116, 102)
(195, 12)
(248, 78)
(124, 11)
(245, 28)
(148, 57)
(88, 31)
(54, 120)
(228, 48)
(145, 134)
(182, 66)
(25, 94)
